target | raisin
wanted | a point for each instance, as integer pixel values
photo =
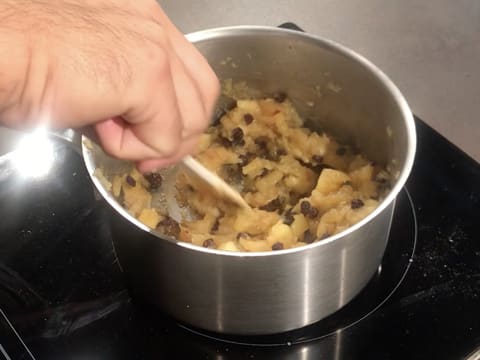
(308, 210)
(277, 246)
(288, 218)
(305, 207)
(356, 203)
(248, 118)
(262, 146)
(154, 179)
(313, 213)
(246, 158)
(130, 180)
(224, 142)
(262, 142)
(341, 151)
(229, 170)
(209, 243)
(317, 158)
(237, 137)
(231, 104)
(308, 237)
(280, 97)
(215, 225)
(169, 226)
(272, 205)
(232, 173)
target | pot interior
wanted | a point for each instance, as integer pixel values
(333, 88)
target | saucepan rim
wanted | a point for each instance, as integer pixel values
(252, 30)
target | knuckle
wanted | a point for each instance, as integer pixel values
(160, 62)
(154, 62)
(162, 58)
(169, 145)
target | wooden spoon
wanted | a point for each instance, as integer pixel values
(218, 186)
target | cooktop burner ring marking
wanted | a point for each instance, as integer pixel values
(17, 335)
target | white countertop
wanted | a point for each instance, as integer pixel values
(430, 49)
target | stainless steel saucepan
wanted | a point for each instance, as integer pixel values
(338, 91)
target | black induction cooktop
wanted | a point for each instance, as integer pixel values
(62, 295)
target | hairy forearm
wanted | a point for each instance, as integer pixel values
(14, 59)
(27, 42)
(23, 64)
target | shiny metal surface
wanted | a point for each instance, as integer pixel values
(474, 355)
(259, 293)
(254, 293)
(8, 139)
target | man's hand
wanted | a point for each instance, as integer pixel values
(118, 64)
